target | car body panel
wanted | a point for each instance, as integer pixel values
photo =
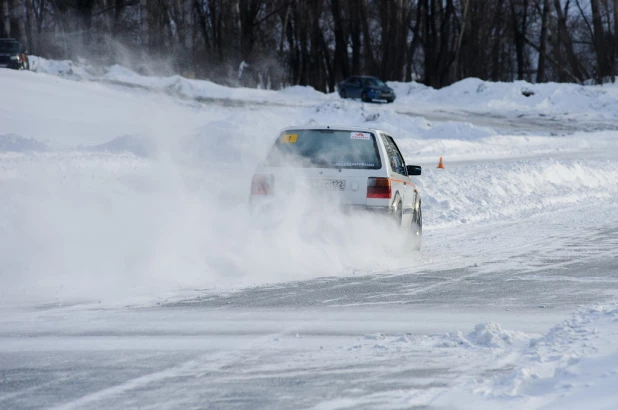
(13, 55)
(288, 181)
(373, 87)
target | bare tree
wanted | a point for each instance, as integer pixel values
(540, 73)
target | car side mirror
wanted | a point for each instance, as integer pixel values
(413, 169)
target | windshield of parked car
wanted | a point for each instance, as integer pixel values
(373, 82)
(9, 47)
(325, 149)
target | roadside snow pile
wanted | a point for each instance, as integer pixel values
(490, 335)
(207, 90)
(574, 366)
(497, 192)
(16, 143)
(62, 68)
(571, 100)
(403, 127)
(175, 84)
(140, 146)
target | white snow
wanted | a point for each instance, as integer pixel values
(123, 188)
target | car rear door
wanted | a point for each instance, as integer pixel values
(355, 88)
(400, 181)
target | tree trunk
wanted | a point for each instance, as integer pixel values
(370, 62)
(599, 41)
(416, 39)
(455, 67)
(614, 60)
(189, 37)
(355, 36)
(540, 72)
(519, 33)
(32, 47)
(568, 43)
(341, 67)
(145, 29)
(6, 21)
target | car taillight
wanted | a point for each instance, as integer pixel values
(378, 188)
(262, 184)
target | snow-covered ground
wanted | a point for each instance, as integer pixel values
(133, 275)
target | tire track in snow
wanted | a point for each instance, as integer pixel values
(197, 367)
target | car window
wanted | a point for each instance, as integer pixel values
(368, 82)
(325, 149)
(356, 82)
(9, 47)
(395, 158)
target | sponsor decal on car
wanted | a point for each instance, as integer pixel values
(289, 138)
(353, 164)
(360, 136)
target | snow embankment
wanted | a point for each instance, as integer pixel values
(107, 184)
(569, 102)
(573, 366)
(201, 90)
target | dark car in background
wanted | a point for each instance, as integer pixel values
(366, 88)
(13, 55)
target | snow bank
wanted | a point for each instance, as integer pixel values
(568, 100)
(573, 366)
(174, 85)
(113, 188)
(16, 143)
(498, 192)
(62, 68)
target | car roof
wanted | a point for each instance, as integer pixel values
(9, 40)
(334, 128)
(363, 76)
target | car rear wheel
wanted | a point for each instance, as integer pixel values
(343, 94)
(398, 213)
(417, 227)
(364, 97)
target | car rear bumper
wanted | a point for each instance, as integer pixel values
(13, 65)
(382, 95)
(366, 208)
(265, 206)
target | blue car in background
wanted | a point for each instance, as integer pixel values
(366, 88)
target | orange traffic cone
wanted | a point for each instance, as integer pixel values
(440, 164)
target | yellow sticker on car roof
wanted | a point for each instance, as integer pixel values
(289, 138)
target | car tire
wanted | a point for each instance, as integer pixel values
(343, 94)
(398, 213)
(389, 101)
(417, 227)
(364, 97)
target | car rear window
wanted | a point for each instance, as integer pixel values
(373, 82)
(9, 47)
(325, 149)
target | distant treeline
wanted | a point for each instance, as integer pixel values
(320, 42)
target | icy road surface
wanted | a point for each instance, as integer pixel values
(131, 276)
(376, 340)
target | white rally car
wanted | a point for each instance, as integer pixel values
(362, 168)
